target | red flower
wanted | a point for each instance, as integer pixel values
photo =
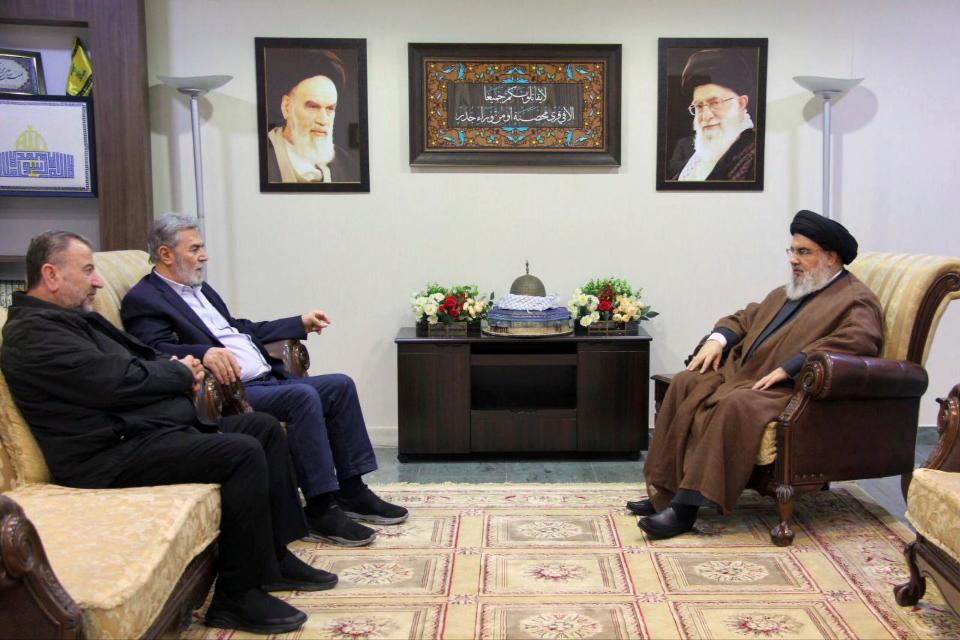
(604, 305)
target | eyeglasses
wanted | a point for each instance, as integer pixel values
(713, 104)
(800, 252)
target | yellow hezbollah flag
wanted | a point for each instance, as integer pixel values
(80, 78)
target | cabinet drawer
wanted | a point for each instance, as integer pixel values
(533, 430)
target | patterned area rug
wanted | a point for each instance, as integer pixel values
(567, 561)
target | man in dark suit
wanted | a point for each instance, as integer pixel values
(109, 411)
(174, 311)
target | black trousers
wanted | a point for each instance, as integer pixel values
(261, 510)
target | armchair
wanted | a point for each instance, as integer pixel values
(120, 270)
(840, 401)
(933, 508)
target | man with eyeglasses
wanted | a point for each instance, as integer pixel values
(712, 419)
(724, 145)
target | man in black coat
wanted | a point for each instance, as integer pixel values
(108, 411)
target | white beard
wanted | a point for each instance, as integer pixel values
(813, 280)
(318, 151)
(713, 144)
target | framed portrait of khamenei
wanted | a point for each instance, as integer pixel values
(312, 114)
(711, 114)
(46, 146)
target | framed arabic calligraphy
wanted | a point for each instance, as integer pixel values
(514, 104)
(21, 72)
(46, 146)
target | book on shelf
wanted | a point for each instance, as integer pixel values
(7, 287)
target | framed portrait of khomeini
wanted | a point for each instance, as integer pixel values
(312, 114)
(711, 114)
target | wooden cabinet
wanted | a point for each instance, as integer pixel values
(572, 394)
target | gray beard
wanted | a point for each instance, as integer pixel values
(813, 280)
(186, 276)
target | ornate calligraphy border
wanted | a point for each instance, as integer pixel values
(539, 134)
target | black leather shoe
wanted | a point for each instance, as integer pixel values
(665, 524)
(297, 575)
(253, 611)
(641, 507)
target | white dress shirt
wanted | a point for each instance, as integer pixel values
(252, 362)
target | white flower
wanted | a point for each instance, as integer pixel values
(432, 319)
(617, 317)
(437, 296)
(582, 299)
(430, 308)
(573, 308)
(587, 320)
(592, 303)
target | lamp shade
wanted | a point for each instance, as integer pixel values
(195, 85)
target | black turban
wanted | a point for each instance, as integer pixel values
(829, 234)
(724, 67)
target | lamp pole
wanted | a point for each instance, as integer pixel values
(827, 89)
(196, 86)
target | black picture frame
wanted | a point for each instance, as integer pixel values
(573, 120)
(30, 67)
(279, 64)
(734, 61)
(52, 138)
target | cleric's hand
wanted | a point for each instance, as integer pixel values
(707, 358)
(196, 368)
(776, 376)
(223, 364)
(315, 320)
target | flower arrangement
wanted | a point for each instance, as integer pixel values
(460, 303)
(608, 300)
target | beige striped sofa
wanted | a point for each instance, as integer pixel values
(933, 508)
(97, 563)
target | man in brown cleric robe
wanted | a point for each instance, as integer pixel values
(712, 419)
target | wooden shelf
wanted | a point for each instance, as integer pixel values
(524, 360)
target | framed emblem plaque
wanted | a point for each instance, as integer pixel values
(46, 146)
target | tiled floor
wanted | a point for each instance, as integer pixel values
(886, 491)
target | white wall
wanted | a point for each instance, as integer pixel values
(698, 255)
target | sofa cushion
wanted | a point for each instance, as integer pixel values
(119, 270)
(120, 552)
(933, 508)
(19, 446)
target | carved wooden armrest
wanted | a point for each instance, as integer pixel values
(946, 454)
(33, 603)
(235, 399)
(293, 353)
(841, 376)
(208, 400)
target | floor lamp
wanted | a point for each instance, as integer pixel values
(196, 86)
(828, 89)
